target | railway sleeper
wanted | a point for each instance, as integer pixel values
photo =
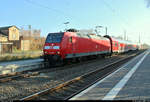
(56, 95)
(48, 97)
(78, 84)
(64, 93)
(59, 96)
(72, 89)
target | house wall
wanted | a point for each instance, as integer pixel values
(33, 43)
(5, 48)
(0, 48)
(13, 33)
(3, 39)
(25, 45)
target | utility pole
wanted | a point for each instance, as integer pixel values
(106, 30)
(125, 34)
(127, 38)
(140, 42)
(30, 36)
(96, 29)
(29, 30)
(139, 39)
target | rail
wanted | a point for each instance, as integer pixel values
(79, 83)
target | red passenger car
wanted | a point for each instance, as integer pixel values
(120, 46)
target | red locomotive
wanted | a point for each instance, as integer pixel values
(74, 45)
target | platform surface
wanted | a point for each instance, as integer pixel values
(130, 82)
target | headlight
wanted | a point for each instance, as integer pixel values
(56, 47)
(47, 47)
(57, 52)
(45, 52)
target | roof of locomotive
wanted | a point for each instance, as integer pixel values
(90, 36)
(86, 34)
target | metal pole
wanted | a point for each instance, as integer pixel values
(124, 34)
(96, 29)
(139, 39)
(66, 23)
(23, 45)
(106, 30)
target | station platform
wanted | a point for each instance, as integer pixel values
(130, 82)
(17, 66)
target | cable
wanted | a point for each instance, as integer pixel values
(54, 10)
(114, 11)
(43, 6)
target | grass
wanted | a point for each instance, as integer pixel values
(19, 51)
(20, 56)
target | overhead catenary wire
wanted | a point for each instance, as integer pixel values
(43, 6)
(124, 21)
(66, 15)
(115, 12)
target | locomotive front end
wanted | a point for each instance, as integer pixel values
(52, 47)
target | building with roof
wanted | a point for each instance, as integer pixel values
(12, 38)
(8, 36)
(12, 32)
(30, 39)
(3, 38)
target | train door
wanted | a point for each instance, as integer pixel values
(72, 44)
(70, 47)
(119, 48)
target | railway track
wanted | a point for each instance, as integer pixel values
(43, 68)
(25, 73)
(39, 68)
(21, 87)
(68, 89)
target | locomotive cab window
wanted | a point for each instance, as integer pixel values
(54, 38)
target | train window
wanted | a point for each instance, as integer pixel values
(113, 43)
(116, 44)
(70, 39)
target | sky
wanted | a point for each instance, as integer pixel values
(119, 16)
